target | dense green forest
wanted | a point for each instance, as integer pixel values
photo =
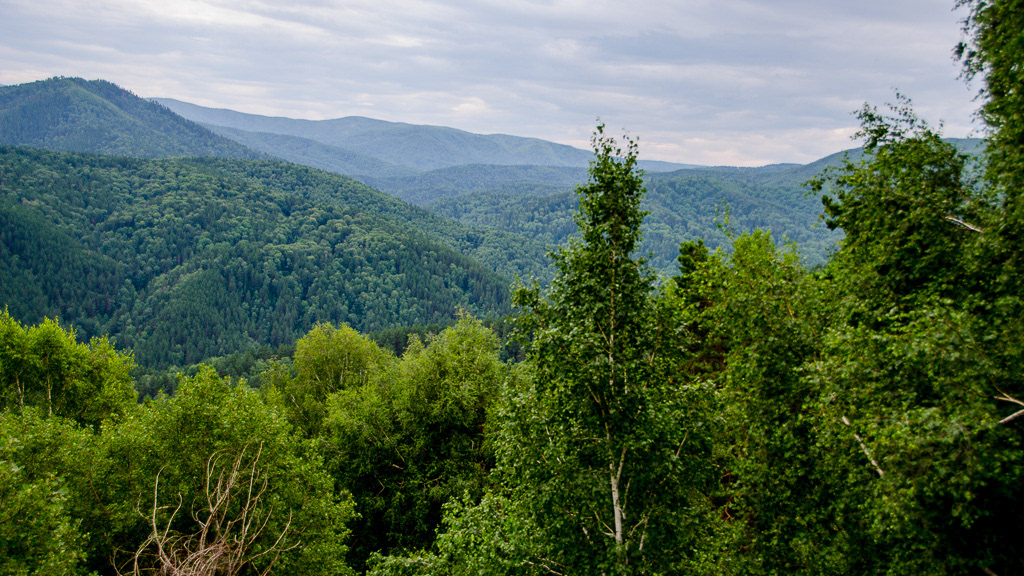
(707, 203)
(183, 260)
(749, 415)
(681, 206)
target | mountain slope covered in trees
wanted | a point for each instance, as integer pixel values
(507, 209)
(682, 206)
(75, 115)
(309, 152)
(707, 203)
(181, 260)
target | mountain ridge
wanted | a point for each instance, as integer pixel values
(419, 147)
(96, 116)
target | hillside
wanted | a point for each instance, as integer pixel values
(511, 196)
(427, 187)
(185, 259)
(75, 115)
(313, 153)
(683, 205)
(70, 114)
(497, 186)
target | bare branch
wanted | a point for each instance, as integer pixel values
(1012, 417)
(864, 447)
(222, 544)
(1007, 398)
(970, 227)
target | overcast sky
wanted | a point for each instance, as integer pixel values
(727, 82)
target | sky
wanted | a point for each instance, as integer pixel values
(716, 82)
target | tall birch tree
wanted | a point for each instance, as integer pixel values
(610, 443)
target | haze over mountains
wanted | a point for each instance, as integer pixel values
(402, 148)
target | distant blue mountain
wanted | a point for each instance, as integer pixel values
(376, 148)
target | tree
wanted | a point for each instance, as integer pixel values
(760, 318)
(327, 360)
(209, 427)
(610, 445)
(993, 48)
(45, 366)
(416, 438)
(920, 368)
(908, 211)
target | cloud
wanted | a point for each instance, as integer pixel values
(699, 81)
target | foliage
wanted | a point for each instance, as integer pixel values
(45, 472)
(44, 366)
(36, 534)
(327, 360)
(994, 49)
(906, 209)
(175, 439)
(759, 318)
(414, 438)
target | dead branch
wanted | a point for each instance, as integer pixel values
(224, 540)
(864, 448)
(1007, 398)
(970, 227)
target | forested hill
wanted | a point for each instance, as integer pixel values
(707, 203)
(75, 115)
(184, 259)
(682, 206)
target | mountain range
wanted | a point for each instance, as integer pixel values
(187, 232)
(380, 148)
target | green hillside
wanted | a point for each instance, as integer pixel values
(182, 260)
(75, 115)
(682, 206)
(427, 187)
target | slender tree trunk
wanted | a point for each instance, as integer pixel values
(616, 505)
